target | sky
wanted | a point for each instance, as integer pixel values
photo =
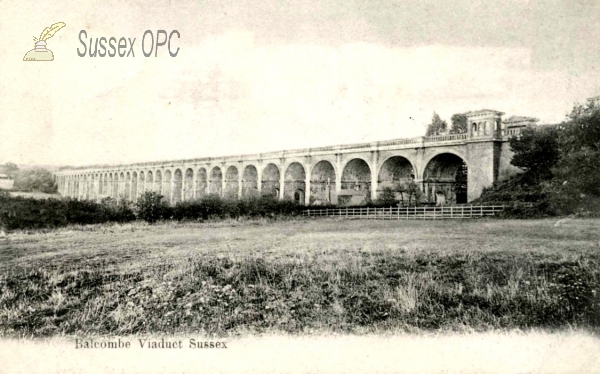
(266, 75)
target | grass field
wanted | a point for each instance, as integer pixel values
(301, 276)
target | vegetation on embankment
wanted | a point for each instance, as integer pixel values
(303, 276)
(560, 169)
(23, 213)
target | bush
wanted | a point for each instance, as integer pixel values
(151, 207)
(29, 213)
(215, 207)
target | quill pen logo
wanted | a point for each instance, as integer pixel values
(40, 52)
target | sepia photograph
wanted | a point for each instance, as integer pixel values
(310, 186)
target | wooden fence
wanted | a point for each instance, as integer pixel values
(414, 212)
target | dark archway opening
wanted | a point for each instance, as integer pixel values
(445, 180)
(322, 184)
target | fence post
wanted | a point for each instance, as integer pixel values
(367, 212)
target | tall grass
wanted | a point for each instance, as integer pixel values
(129, 288)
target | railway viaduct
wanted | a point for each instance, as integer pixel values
(452, 167)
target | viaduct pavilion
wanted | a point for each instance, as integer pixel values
(452, 167)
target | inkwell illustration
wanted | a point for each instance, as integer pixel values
(40, 53)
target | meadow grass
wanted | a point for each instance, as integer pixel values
(300, 276)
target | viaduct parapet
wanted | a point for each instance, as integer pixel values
(450, 168)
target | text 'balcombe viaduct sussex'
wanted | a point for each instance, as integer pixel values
(453, 167)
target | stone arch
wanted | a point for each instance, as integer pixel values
(295, 183)
(149, 181)
(395, 172)
(188, 185)
(446, 174)
(100, 185)
(322, 183)
(134, 186)
(106, 184)
(216, 181)
(250, 181)
(231, 182)
(177, 185)
(201, 183)
(356, 183)
(158, 186)
(167, 188)
(116, 186)
(270, 181)
(142, 183)
(127, 192)
(121, 187)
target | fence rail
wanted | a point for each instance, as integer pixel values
(415, 212)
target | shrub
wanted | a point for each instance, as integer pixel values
(29, 213)
(151, 207)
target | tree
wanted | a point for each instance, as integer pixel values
(10, 169)
(437, 126)
(576, 185)
(536, 152)
(387, 197)
(459, 124)
(151, 207)
(38, 179)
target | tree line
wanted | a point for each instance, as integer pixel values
(30, 180)
(440, 127)
(560, 164)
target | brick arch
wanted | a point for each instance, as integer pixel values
(250, 181)
(323, 179)
(445, 178)
(167, 185)
(158, 182)
(216, 181)
(232, 175)
(395, 171)
(270, 177)
(188, 184)
(295, 182)
(201, 182)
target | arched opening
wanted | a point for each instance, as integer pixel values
(201, 183)
(446, 174)
(106, 184)
(158, 187)
(121, 190)
(86, 182)
(188, 186)
(92, 183)
(134, 184)
(270, 181)
(177, 186)
(142, 183)
(322, 184)
(149, 181)
(216, 181)
(100, 186)
(116, 186)
(295, 183)
(356, 183)
(398, 175)
(127, 192)
(250, 181)
(231, 183)
(167, 186)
